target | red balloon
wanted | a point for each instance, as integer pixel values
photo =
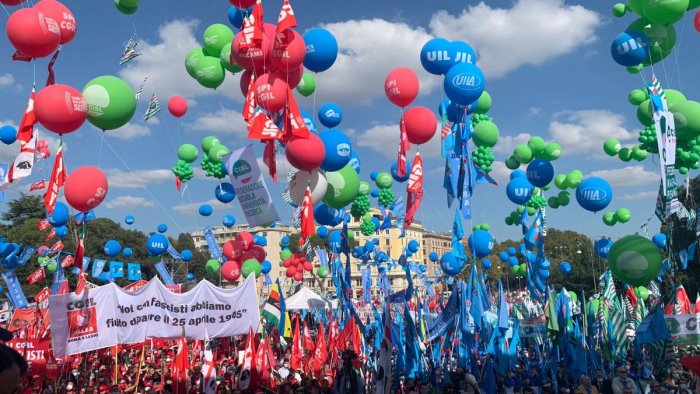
(245, 81)
(305, 154)
(420, 123)
(697, 20)
(177, 106)
(286, 263)
(33, 33)
(258, 253)
(62, 15)
(231, 271)
(60, 108)
(308, 266)
(86, 188)
(294, 77)
(229, 250)
(270, 31)
(401, 86)
(298, 276)
(253, 58)
(271, 92)
(288, 53)
(291, 271)
(244, 239)
(12, 2)
(243, 3)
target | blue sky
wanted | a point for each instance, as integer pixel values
(547, 63)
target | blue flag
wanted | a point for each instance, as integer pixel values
(134, 271)
(164, 274)
(116, 269)
(457, 236)
(97, 267)
(14, 290)
(502, 309)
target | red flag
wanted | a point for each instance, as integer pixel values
(63, 288)
(446, 130)
(309, 345)
(79, 252)
(269, 159)
(294, 124)
(414, 190)
(50, 235)
(631, 296)
(263, 128)
(404, 146)
(286, 19)
(253, 27)
(332, 340)
(26, 125)
(36, 276)
(67, 261)
(250, 103)
(345, 336)
(51, 78)
(19, 56)
(297, 356)
(58, 246)
(58, 178)
(38, 185)
(178, 183)
(43, 224)
(181, 366)
(248, 370)
(308, 228)
(320, 354)
(263, 361)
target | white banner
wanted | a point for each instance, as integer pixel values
(109, 315)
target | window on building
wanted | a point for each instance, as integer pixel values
(264, 233)
(386, 232)
(357, 233)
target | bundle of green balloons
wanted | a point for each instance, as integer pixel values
(520, 270)
(622, 215)
(536, 202)
(362, 203)
(484, 158)
(367, 227)
(183, 171)
(208, 65)
(307, 85)
(211, 160)
(561, 200)
(482, 226)
(485, 137)
(384, 183)
(127, 7)
(536, 148)
(568, 181)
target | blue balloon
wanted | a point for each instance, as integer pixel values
(373, 175)
(519, 190)
(433, 257)
(602, 247)
(322, 231)
(228, 221)
(265, 267)
(325, 215)
(273, 225)
(157, 244)
(593, 194)
(330, 115)
(335, 241)
(413, 246)
(450, 264)
(659, 240)
(308, 121)
(422, 268)
(127, 252)
(224, 170)
(531, 257)
(374, 193)
(464, 83)
(543, 273)
(355, 162)
(338, 150)
(237, 15)
(369, 247)
(437, 56)
(480, 243)
(540, 172)
(259, 240)
(395, 174)
(60, 215)
(129, 220)
(503, 256)
(186, 255)
(224, 192)
(382, 257)
(190, 276)
(112, 248)
(565, 267)
(630, 48)
(2, 290)
(513, 261)
(285, 240)
(162, 228)
(8, 134)
(463, 52)
(545, 264)
(205, 209)
(104, 277)
(517, 174)
(321, 50)
(486, 263)
(511, 251)
(376, 223)
(61, 231)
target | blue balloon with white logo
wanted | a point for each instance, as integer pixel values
(540, 172)
(450, 264)
(486, 263)
(322, 232)
(513, 261)
(437, 56)
(127, 252)
(659, 240)
(228, 221)
(112, 248)
(162, 228)
(308, 121)
(602, 247)
(395, 172)
(464, 83)
(205, 210)
(265, 267)
(224, 192)
(338, 150)
(517, 174)
(190, 276)
(61, 231)
(129, 220)
(330, 115)
(544, 264)
(325, 215)
(354, 162)
(519, 190)
(503, 256)
(630, 48)
(321, 50)
(237, 15)
(157, 244)
(480, 242)
(413, 246)
(60, 215)
(335, 241)
(433, 257)
(186, 255)
(463, 52)
(565, 268)
(594, 194)
(8, 134)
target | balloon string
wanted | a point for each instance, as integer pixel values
(675, 55)
(99, 154)
(5, 8)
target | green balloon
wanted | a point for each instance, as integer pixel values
(625, 154)
(208, 142)
(636, 6)
(191, 60)
(560, 182)
(531, 211)
(563, 198)
(485, 227)
(536, 145)
(635, 69)
(307, 85)
(343, 187)
(574, 296)
(552, 151)
(216, 37)
(634, 260)
(485, 134)
(187, 153)
(509, 220)
(225, 59)
(483, 104)
(516, 270)
(662, 38)
(384, 180)
(674, 97)
(217, 152)
(609, 218)
(693, 4)
(351, 235)
(523, 269)
(209, 72)
(285, 254)
(644, 115)
(51, 267)
(41, 260)
(251, 266)
(574, 178)
(619, 10)
(111, 102)
(364, 188)
(637, 96)
(623, 215)
(547, 187)
(639, 154)
(212, 266)
(367, 217)
(322, 272)
(664, 12)
(512, 163)
(642, 292)
(687, 117)
(553, 202)
(612, 146)
(523, 154)
(125, 9)
(128, 3)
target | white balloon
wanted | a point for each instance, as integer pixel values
(316, 180)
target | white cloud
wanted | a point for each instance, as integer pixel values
(224, 120)
(384, 139)
(507, 143)
(6, 80)
(639, 196)
(164, 65)
(584, 131)
(129, 131)
(193, 208)
(368, 50)
(121, 179)
(532, 32)
(500, 173)
(129, 201)
(534, 111)
(628, 176)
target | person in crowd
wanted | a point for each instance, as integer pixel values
(586, 387)
(12, 367)
(621, 382)
(349, 380)
(603, 385)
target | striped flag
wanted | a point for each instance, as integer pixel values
(404, 146)
(272, 311)
(414, 190)
(138, 93)
(23, 164)
(129, 53)
(26, 125)
(307, 217)
(208, 367)
(58, 178)
(153, 108)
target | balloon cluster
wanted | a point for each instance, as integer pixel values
(42, 148)
(485, 136)
(212, 157)
(243, 257)
(361, 204)
(561, 200)
(127, 7)
(622, 215)
(38, 31)
(187, 154)
(295, 263)
(536, 148)
(207, 65)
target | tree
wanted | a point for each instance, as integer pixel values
(24, 208)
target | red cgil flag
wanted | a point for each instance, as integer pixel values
(36, 276)
(286, 19)
(269, 159)
(263, 128)
(414, 190)
(404, 146)
(38, 185)
(294, 124)
(43, 224)
(252, 28)
(250, 103)
(181, 366)
(309, 345)
(58, 178)
(26, 125)
(320, 354)
(307, 217)
(297, 356)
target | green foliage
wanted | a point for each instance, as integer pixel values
(24, 208)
